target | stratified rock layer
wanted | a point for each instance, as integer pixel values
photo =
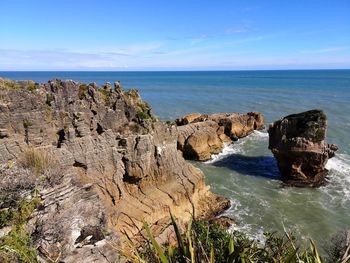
(120, 166)
(201, 135)
(298, 144)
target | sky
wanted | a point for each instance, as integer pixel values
(44, 35)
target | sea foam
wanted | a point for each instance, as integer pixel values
(238, 146)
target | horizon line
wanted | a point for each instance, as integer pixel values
(175, 70)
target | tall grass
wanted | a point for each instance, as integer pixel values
(38, 160)
(206, 243)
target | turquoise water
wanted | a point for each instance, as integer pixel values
(246, 171)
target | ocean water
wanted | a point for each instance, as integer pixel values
(246, 171)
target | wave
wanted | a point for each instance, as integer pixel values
(238, 146)
(330, 203)
(339, 177)
(239, 213)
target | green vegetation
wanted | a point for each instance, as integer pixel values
(8, 84)
(49, 99)
(17, 245)
(210, 243)
(105, 95)
(323, 116)
(30, 85)
(27, 124)
(83, 90)
(320, 134)
(141, 115)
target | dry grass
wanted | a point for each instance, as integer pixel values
(37, 160)
(42, 163)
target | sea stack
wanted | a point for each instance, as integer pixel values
(298, 144)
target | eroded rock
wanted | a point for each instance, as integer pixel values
(298, 144)
(119, 167)
(201, 135)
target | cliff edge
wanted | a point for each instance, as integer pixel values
(106, 165)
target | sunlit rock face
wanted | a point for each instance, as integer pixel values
(201, 135)
(298, 144)
(120, 167)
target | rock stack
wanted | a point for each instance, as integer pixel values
(298, 144)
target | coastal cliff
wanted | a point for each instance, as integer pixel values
(201, 135)
(106, 165)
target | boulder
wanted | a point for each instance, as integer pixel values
(198, 141)
(201, 135)
(298, 144)
(188, 118)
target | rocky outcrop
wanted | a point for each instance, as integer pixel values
(201, 135)
(298, 144)
(119, 167)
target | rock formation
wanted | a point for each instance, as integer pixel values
(201, 135)
(298, 143)
(118, 166)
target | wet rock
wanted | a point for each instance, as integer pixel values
(224, 222)
(298, 144)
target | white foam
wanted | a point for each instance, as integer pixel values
(239, 213)
(228, 149)
(259, 134)
(339, 176)
(238, 146)
(340, 164)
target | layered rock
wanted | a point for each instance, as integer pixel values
(119, 167)
(201, 135)
(298, 144)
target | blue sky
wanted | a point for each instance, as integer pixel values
(174, 35)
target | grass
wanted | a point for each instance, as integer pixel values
(142, 115)
(83, 90)
(206, 243)
(37, 160)
(8, 84)
(17, 245)
(320, 134)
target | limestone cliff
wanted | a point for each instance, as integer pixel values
(201, 135)
(118, 165)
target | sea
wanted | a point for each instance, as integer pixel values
(246, 172)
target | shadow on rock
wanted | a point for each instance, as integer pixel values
(263, 166)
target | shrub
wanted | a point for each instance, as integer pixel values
(17, 245)
(337, 247)
(209, 243)
(8, 84)
(83, 90)
(142, 115)
(49, 99)
(319, 134)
